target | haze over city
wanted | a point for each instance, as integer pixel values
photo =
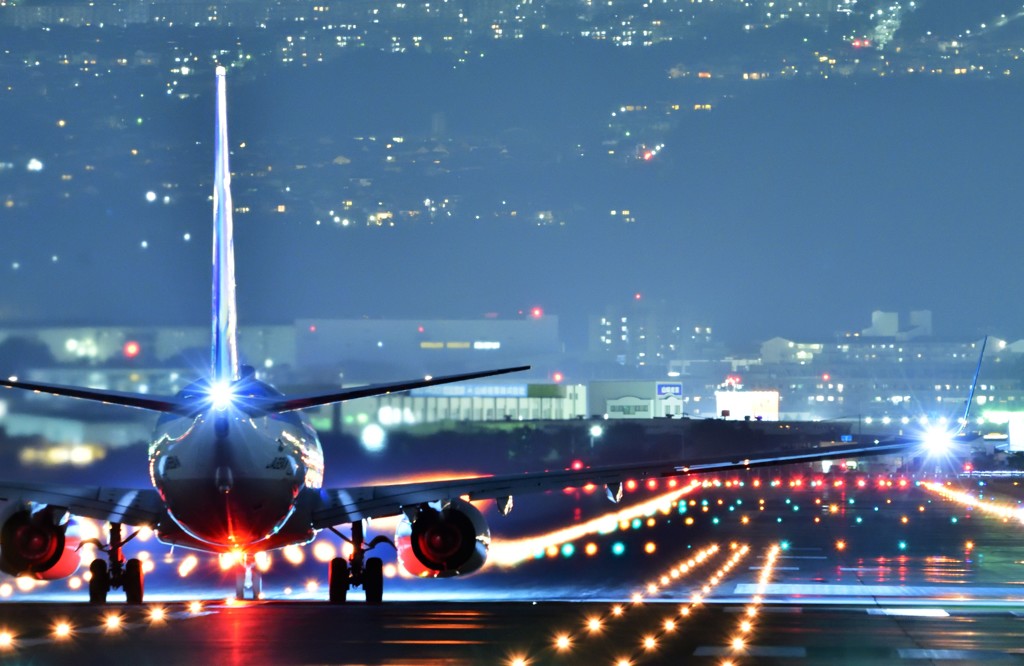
(764, 168)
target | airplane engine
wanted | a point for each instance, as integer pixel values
(39, 544)
(436, 543)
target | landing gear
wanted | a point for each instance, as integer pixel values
(355, 572)
(373, 580)
(132, 582)
(248, 579)
(99, 582)
(337, 581)
(115, 572)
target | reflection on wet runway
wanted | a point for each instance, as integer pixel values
(749, 570)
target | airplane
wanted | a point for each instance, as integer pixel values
(237, 470)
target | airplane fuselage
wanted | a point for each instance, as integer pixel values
(231, 477)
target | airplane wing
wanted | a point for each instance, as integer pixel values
(291, 403)
(138, 400)
(116, 505)
(275, 405)
(345, 505)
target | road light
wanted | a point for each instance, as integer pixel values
(596, 431)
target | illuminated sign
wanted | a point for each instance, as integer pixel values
(472, 391)
(669, 389)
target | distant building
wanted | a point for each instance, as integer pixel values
(473, 401)
(635, 400)
(748, 405)
(375, 349)
(887, 325)
(648, 334)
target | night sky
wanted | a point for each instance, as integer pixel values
(794, 208)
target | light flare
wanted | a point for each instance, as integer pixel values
(188, 565)
(995, 509)
(509, 553)
(62, 630)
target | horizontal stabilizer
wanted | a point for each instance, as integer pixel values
(291, 403)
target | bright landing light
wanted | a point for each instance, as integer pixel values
(937, 441)
(221, 395)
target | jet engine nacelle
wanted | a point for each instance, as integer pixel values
(438, 543)
(39, 544)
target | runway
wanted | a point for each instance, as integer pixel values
(820, 572)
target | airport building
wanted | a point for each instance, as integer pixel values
(884, 374)
(471, 401)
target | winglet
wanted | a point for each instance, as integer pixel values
(224, 346)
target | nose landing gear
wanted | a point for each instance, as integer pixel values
(248, 579)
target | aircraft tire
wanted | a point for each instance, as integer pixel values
(373, 580)
(337, 581)
(133, 581)
(99, 582)
(240, 584)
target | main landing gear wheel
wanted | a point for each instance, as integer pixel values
(133, 581)
(355, 572)
(373, 580)
(99, 582)
(337, 581)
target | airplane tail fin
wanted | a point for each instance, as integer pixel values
(224, 347)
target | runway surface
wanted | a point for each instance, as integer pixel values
(792, 568)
